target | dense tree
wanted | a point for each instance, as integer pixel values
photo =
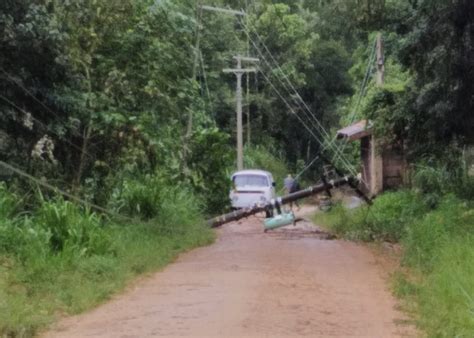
(93, 92)
(439, 52)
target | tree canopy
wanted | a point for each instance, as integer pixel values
(93, 92)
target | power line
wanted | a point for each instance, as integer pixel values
(365, 80)
(339, 152)
(11, 79)
(302, 171)
(323, 131)
(293, 112)
(246, 30)
(283, 73)
(362, 91)
(78, 200)
(205, 82)
(341, 156)
(57, 190)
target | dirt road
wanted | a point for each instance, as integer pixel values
(290, 282)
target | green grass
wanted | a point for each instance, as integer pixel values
(438, 249)
(61, 259)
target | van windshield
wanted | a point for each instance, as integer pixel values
(250, 180)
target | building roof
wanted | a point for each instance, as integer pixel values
(355, 131)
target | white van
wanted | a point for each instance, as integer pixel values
(251, 187)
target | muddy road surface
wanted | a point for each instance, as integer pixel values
(294, 281)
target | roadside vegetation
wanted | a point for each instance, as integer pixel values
(60, 259)
(123, 105)
(435, 228)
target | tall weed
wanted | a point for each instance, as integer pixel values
(435, 180)
(452, 219)
(8, 202)
(391, 214)
(446, 296)
(72, 228)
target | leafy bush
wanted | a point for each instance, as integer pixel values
(207, 174)
(22, 238)
(63, 259)
(179, 208)
(392, 212)
(435, 180)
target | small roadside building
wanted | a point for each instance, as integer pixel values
(382, 166)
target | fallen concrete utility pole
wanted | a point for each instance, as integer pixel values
(242, 213)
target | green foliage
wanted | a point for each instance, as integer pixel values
(436, 51)
(208, 175)
(64, 259)
(180, 209)
(435, 178)
(446, 296)
(386, 220)
(71, 228)
(392, 213)
(452, 219)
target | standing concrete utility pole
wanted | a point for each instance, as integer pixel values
(380, 61)
(247, 100)
(239, 71)
(376, 150)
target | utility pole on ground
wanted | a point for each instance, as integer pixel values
(239, 71)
